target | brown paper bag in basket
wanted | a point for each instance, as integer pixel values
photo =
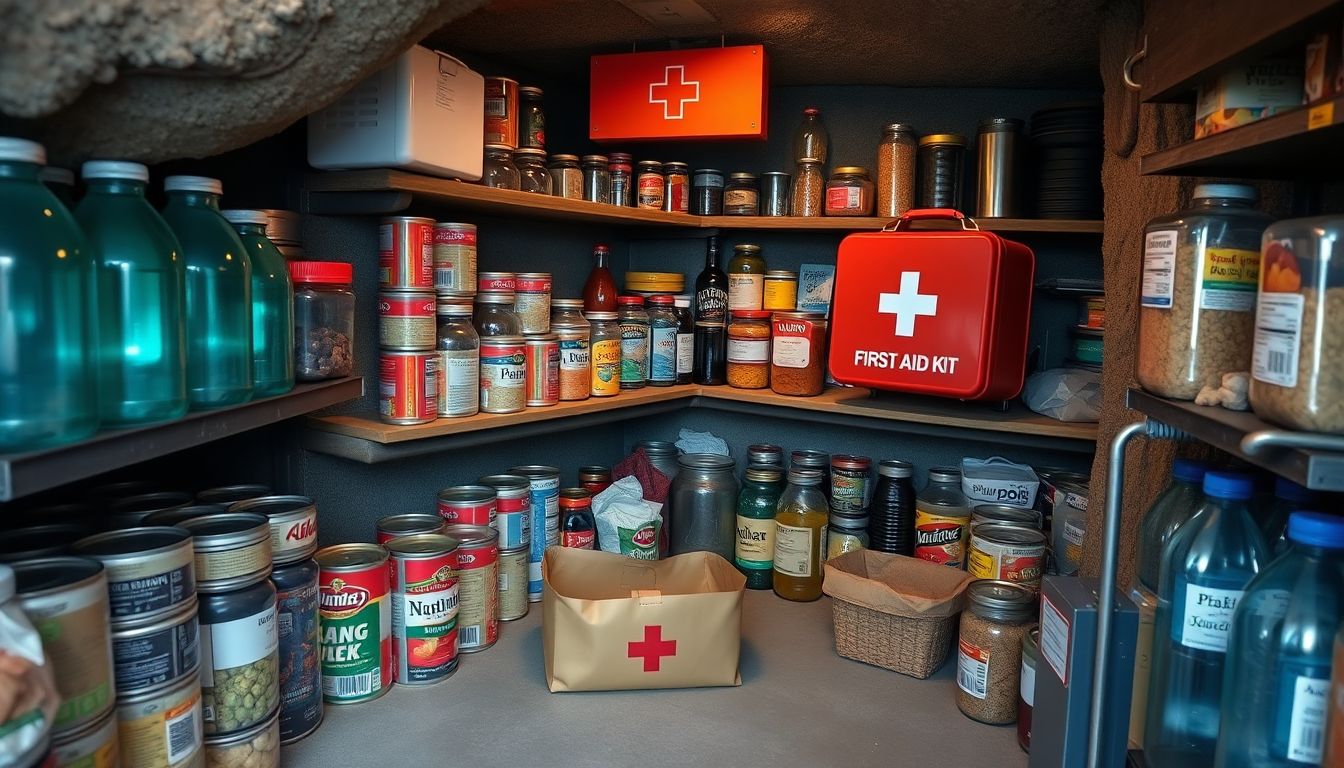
(610, 622)
(895, 584)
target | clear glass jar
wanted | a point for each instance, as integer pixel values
(780, 292)
(800, 536)
(662, 455)
(756, 507)
(809, 189)
(459, 349)
(896, 170)
(532, 301)
(847, 532)
(989, 649)
(495, 315)
(649, 184)
(566, 178)
(849, 192)
(568, 313)
(742, 196)
(1171, 509)
(532, 125)
(605, 351)
(810, 139)
(48, 373)
(676, 187)
(941, 156)
(622, 180)
(939, 504)
(707, 192)
(663, 328)
(532, 173)
(749, 349)
(324, 319)
(746, 278)
(575, 334)
(1197, 297)
(1297, 369)
(499, 172)
(702, 506)
(272, 307)
(596, 179)
(634, 342)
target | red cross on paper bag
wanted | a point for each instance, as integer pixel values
(653, 648)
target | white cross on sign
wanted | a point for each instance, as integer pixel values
(908, 304)
(677, 90)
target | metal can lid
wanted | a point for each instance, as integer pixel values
(676, 167)
(764, 473)
(600, 315)
(227, 530)
(1000, 599)
(712, 461)
(537, 471)
(898, 128)
(350, 557)
(847, 461)
(179, 515)
(112, 545)
(530, 152)
(472, 535)
(421, 545)
(408, 523)
(595, 159)
(850, 170)
(747, 248)
(1000, 125)
(742, 176)
(950, 139)
(562, 158)
(575, 498)
(945, 474)
(806, 457)
(805, 476)
(567, 304)
(780, 274)
(1007, 533)
(505, 482)
(895, 468)
(467, 494)
(36, 577)
(228, 494)
(529, 90)
(594, 472)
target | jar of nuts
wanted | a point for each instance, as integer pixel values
(324, 319)
(989, 649)
(749, 349)
(1197, 301)
(257, 747)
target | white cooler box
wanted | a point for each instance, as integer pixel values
(425, 112)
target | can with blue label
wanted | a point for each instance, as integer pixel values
(513, 509)
(544, 483)
(300, 671)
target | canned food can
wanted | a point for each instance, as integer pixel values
(300, 674)
(1055, 485)
(356, 623)
(513, 509)
(1007, 553)
(408, 387)
(454, 257)
(478, 586)
(66, 599)
(423, 575)
(240, 658)
(503, 374)
(232, 494)
(396, 526)
(406, 253)
(233, 550)
(545, 524)
(850, 482)
(543, 370)
(940, 534)
(93, 746)
(407, 320)
(501, 111)
(1003, 514)
(149, 654)
(150, 571)
(131, 511)
(468, 504)
(496, 282)
(293, 522)
(532, 301)
(161, 728)
(173, 517)
(255, 747)
(37, 541)
(513, 603)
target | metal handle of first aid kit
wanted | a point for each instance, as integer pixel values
(932, 214)
(1110, 553)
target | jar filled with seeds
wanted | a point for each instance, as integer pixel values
(707, 192)
(532, 173)
(742, 196)
(459, 359)
(324, 319)
(749, 349)
(240, 683)
(495, 315)
(989, 651)
(499, 171)
(1197, 299)
(896, 170)
(809, 189)
(849, 192)
(532, 301)
(566, 178)
(596, 179)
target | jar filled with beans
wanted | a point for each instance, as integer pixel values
(798, 353)
(896, 170)
(324, 319)
(989, 650)
(749, 349)
(809, 189)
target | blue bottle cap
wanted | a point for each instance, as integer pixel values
(1290, 491)
(1189, 470)
(1316, 529)
(1227, 485)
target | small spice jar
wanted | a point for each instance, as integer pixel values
(742, 196)
(809, 189)
(749, 349)
(676, 187)
(940, 159)
(324, 319)
(1026, 688)
(649, 185)
(622, 180)
(849, 192)
(532, 173)
(532, 131)
(989, 652)
(896, 170)
(851, 482)
(594, 479)
(498, 171)
(596, 179)
(459, 358)
(707, 192)
(798, 354)
(566, 178)
(781, 290)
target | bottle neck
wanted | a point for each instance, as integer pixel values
(117, 187)
(601, 258)
(11, 169)
(712, 256)
(194, 199)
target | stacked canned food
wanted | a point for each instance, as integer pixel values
(408, 369)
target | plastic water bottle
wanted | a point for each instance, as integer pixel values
(1277, 684)
(1289, 497)
(1173, 507)
(1205, 569)
(272, 307)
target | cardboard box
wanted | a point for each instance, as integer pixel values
(1247, 93)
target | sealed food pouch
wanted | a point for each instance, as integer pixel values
(627, 523)
(997, 480)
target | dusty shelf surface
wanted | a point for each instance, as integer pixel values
(800, 704)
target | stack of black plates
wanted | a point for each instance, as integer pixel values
(1068, 145)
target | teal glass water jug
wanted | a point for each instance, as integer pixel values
(142, 368)
(219, 294)
(48, 340)
(272, 307)
(1277, 685)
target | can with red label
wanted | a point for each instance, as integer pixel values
(532, 301)
(478, 586)
(454, 257)
(422, 572)
(407, 320)
(1007, 553)
(355, 617)
(578, 529)
(543, 369)
(496, 282)
(408, 387)
(501, 111)
(395, 526)
(513, 509)
(468, 504)
(406, 253)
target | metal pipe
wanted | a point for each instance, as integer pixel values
(1260, 441)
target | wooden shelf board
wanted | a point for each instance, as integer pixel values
(860, 223)
(1301, 143)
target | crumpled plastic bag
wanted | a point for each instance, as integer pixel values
(690, 441)
(1067, 394)
(627, 523)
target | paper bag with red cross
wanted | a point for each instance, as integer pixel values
(610, 622)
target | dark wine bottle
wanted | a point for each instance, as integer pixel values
(711, 320)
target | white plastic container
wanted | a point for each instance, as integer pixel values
(424, 112)
(997, 480)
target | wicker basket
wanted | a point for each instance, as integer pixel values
(894, 612)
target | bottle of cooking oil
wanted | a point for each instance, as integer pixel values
(800, 536)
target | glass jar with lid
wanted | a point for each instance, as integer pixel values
(575, 334)
(742, 196)
(707, 192)
(596, 179)
(324, 319)
(746, 277)
(798, 353)
(1197, 298)
(649, 183)
(1297, 370)
(809, 189)
(849, 192)
(532, 173)
(634, 342)
(459, 358)
(499, 172)
(676, 187)
(941, 156)
(749, 349)
(780, 291)
(896, 170)
(663, 328)
(939, 504)
(495, 315)
(989, 649)
(757, 503)
(567, 313)
(604, 350)
(532, 128)
(846, 532)
(622, 180)
(702, 505)
(566, 178)
(800, 536)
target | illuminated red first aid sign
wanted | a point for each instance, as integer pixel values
(705, 93)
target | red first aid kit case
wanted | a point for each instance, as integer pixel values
(932, 311)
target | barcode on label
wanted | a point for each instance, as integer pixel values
(352, 685)
(973, 670)
(469, 636)
(1277, 362)
(182, 736)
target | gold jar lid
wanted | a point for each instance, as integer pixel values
(954, 139)
(850, 170)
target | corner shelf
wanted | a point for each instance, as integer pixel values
(22, 474)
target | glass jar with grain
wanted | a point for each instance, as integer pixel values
(566, 178)
(809, 189)
(575, 334)
(896, 170)
(749, 349)
(798, 353)
(989, 651)
(849, 192)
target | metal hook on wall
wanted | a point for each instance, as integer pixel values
(1130, 61)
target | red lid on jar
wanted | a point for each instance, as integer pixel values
(634, 301)
(811, 111)
(662, 298)
(321, 272)
(575, 498)
(752, 314)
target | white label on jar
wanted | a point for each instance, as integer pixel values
(236, 643)
(1278, 338)
(745, 291)
(182, 733)
(574, 355)
(685, 353)
(1306, 730)
(1159, 264)
(1026, 684)
(972, 669)
(1055, 639)
(793, 550)
(461, 371)
(1207, 617)
(748, 350)
(792, 352)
